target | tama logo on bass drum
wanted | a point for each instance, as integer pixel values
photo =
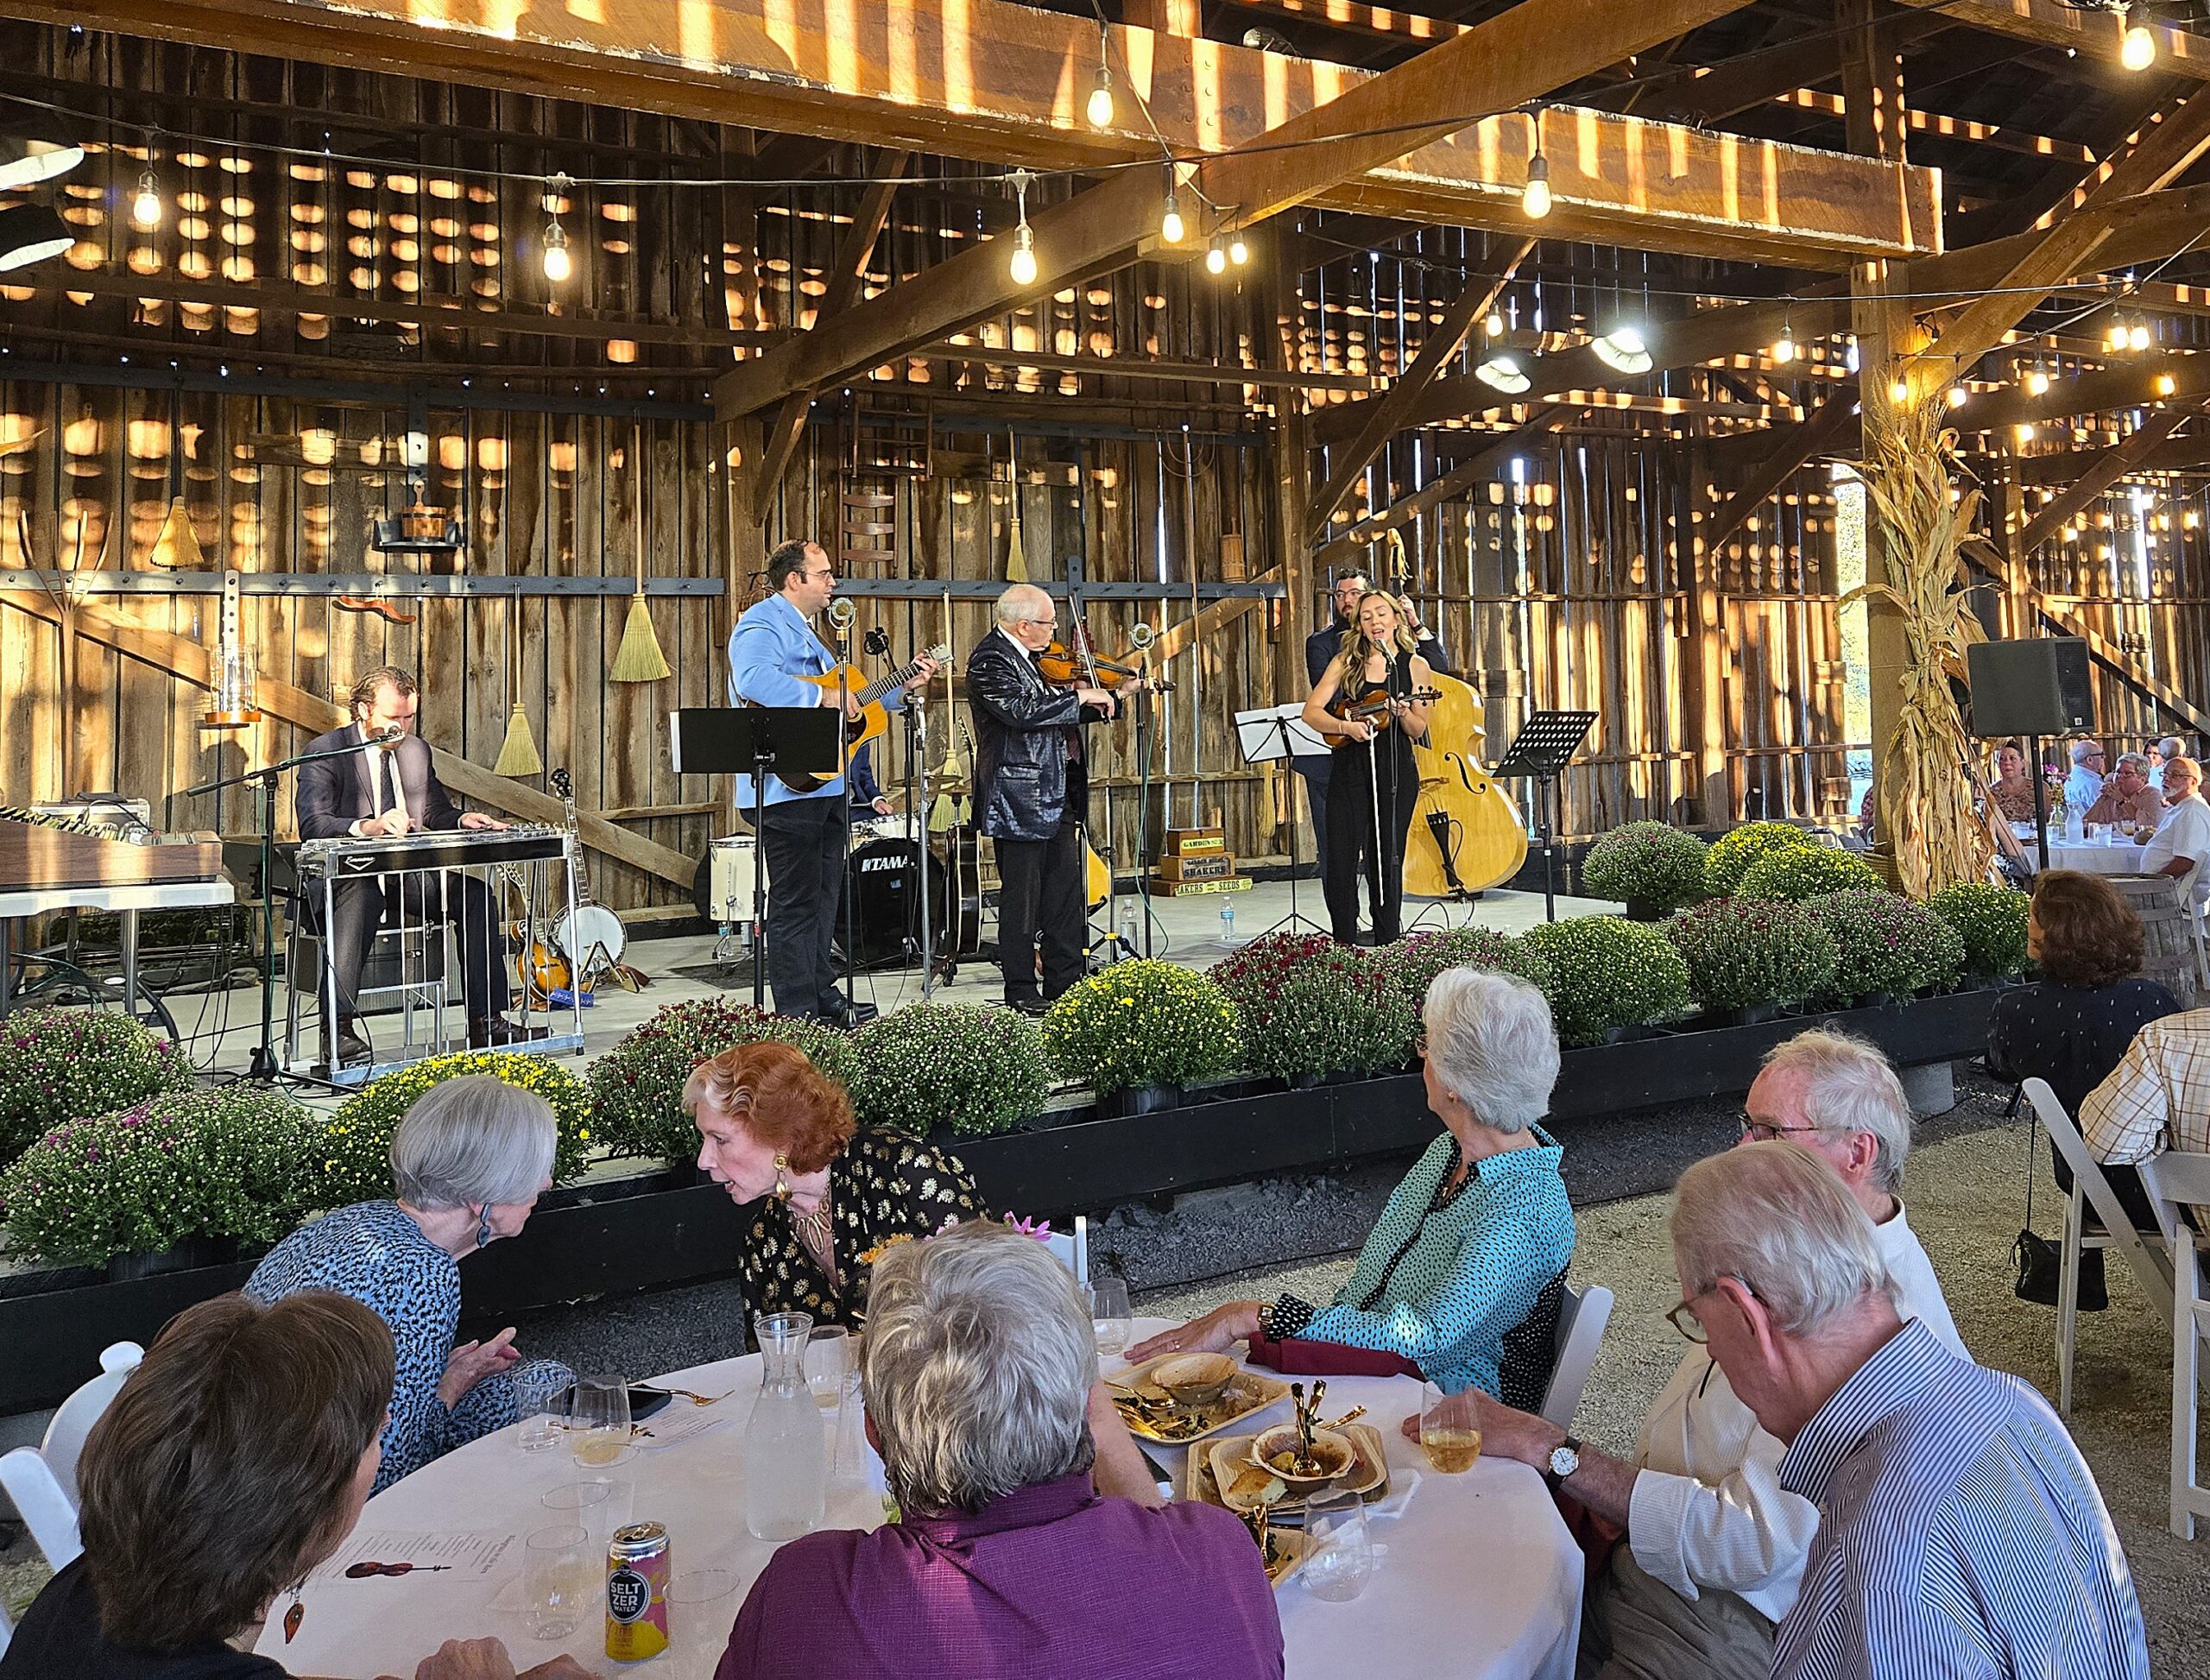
(874, 866)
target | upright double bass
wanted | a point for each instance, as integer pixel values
(1466, 834)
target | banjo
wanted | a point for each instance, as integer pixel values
(589, 934)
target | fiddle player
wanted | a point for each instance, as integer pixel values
(803, 836)
(389, 787)
(1320, 650)
(1032, 793)
(1379, 655)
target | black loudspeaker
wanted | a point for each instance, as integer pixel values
(2037, 687)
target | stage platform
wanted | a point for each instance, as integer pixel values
(1185, 930)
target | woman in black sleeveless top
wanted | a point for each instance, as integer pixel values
(1377, 655)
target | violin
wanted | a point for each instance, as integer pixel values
(1373, 702)
(1078, 667)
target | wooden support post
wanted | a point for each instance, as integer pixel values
(1872, 83)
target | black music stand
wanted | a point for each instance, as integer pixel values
(1273, 734)
(753, 741)
(1545, 744)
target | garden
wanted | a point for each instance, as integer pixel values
(1291, 1053)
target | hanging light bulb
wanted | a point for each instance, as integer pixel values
(1215, 256)
(1100, 108)
(1899, 389)
(1023, 267)
(1494, 324)
(146, 207)
(2025, 431)
(1783, 347)
(2115, 338)
(2037, 381)
(558, 265)
(1535, 197)
(1170, 217)
(2137, 45)
(2137, 337)
(2165, 384)
(1238, 253)
(1957, 396)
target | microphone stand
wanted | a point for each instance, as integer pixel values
(261, 1067)
(844, 798)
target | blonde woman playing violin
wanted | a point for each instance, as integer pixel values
(1370, 704)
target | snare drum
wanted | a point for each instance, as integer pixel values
(728, 896)
(897, 826)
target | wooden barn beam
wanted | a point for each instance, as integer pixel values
(1476, 470)
(995, 80)
(2186, 454)
(1514, 56)
(1382, 22)
(2128, 384)
(2103, 470)
(2164, 151)
(2094, 34)
(1822, 433)
(2062, 187)
(1144, 367)
(844, 285)
(191, 662)
(1388, 418)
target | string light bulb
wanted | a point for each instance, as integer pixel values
(1957, 396)
(146, 207)
(1100, 108)
(558, 265)
(1215, 257)
(2115, 338)
(2025, 431)
(2037, 379)
(1899, 389)
(1023, 266)
(2137, 337)
(1783, 347)
(1239, 250)
(2165, 384)
(2137, 45)
(1171, 228)
(1535, 197)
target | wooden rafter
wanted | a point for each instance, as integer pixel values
(1512, 57)
(2102, 472)
(1387, 419)
(1384, 23)
(994, 80)
(188, 659)
(2070, 247)
(1820, 434)
(843, 286)
(2129, 383)
(1144, 367)
(2095, 34)
(1478, 470)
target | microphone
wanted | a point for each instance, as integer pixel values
(390, 734)
(842, 612)
(1142, 635)
(877, 641)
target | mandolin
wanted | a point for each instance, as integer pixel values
(874, 718)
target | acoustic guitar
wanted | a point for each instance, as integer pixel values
(874, 718)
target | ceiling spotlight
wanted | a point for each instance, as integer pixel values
(146, 207)
(31, 233)
(2137, 45)
(1623, 350)
(1783, 347)
(1535, 197)
(29, 156)
(1215, 257)
(1502, 372)
(1239, 252)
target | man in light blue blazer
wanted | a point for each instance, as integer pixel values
(803, 836)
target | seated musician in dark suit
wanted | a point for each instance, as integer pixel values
(391, 788)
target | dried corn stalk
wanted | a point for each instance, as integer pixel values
(1925, 796)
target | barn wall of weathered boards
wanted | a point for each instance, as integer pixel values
(566, 432)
